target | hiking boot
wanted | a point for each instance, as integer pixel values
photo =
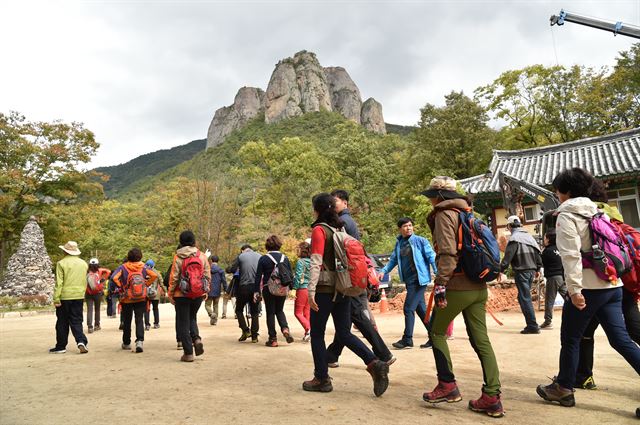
(271, 343)
(555, 392)
(401, 345)
(147, 327)
(139, 347)
(333, 365)
(444, 391)
(427, 344)
(126, 346)
(587, 384)
(83, 348)
(489, 404)
(287, 336)
(306, 337)
(527, 331)
(156, 326)
(186, 358)
(179, 347)
(546, 325)
(318, 385)
(97, 328)
(90, 329)
(254, 339)
(244, 336)
(379, 371)
(55, 350)
(198, 347)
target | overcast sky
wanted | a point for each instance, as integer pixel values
(148, 75)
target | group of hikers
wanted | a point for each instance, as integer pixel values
(457, 264)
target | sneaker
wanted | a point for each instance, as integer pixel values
(139, 347)
(254, 339)
(287, 336)
(198, 347)
(271, 343)
(333, 365)
(379, 371)
(306, 337)
(90, 330)
(147, 327)
(444, 391)
(401, 345)
(126, 346)
(391, 361)
(546, 325)
(427, 344)
(55, 350)
(587, 384)
(156, 326)
(555, 392)
(179, 346)
(83, 348)
(527, 331)
(186, 358)
(317, 385)
(491, 405)
(224, 316)
(244, 336)
(97, 328)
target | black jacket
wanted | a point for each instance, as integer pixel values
(265, 268)
(552, 262)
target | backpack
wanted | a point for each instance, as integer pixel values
(135, 288)
(479, 255)
(352, 274)
(609, 256)
(94, 284)
(631, 236)
(281, 278)
(193, 282)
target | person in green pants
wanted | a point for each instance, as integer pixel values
(455, 293)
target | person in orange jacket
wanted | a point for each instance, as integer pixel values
(133, 279)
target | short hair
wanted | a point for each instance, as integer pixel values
(403, 221)
(273, 243)
(577, 182)
(134, 255)
(304, 250)
(187, 238)
(551, 236)
(245, 246)
(341, 193)
(214, 259)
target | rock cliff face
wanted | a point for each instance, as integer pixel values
(297, 86)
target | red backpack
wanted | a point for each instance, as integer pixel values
(135, 288)
(193, 282)
(352, 274)
(94, 284)
(631, 236)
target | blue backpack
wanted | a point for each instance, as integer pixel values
(479, 253)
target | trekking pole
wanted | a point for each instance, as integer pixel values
(494, 317)
(427, 316)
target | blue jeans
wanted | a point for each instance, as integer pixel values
(523, 283)
(341, 312)
(414, 303)
(606, 305)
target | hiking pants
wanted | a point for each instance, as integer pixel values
(606, 305)
(93, 303)
(187, 322)
(156, 313)
(340, 310)
(275, 310)
(362, 321)
(632, 323)
(127, 313)
(472, 306)
(555, 285)
(524, 279)
(69, 316)
(211, 305)
(413, 304)
(302, 308)
(243, 299)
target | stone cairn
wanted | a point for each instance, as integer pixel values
(29, 271)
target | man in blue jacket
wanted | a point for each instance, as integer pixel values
(413, 255)
(218, 283)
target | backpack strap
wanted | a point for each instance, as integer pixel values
(272, 259)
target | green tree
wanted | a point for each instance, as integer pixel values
(624, 90)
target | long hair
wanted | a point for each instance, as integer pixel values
(325, 205)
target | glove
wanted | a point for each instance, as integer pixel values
(440, 296)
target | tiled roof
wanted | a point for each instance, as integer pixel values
(604, 156)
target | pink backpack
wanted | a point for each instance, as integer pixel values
(609, 257)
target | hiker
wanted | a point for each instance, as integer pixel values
(456, 293)
(523, 255)
(414, 256)
(155, 291)
(68, 297)
(188, 286)
(93, 294)
(554, 274)
(300, 283)
(246, 264)
(591, 295)
(325, 301)
(133, 279)
(218, 283)
(361, 316)
(230, 294)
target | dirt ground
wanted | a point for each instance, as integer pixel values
(243, 383)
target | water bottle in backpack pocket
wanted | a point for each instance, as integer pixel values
(609, 257)
(193, 282)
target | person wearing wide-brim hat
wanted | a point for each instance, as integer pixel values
(68, 298)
